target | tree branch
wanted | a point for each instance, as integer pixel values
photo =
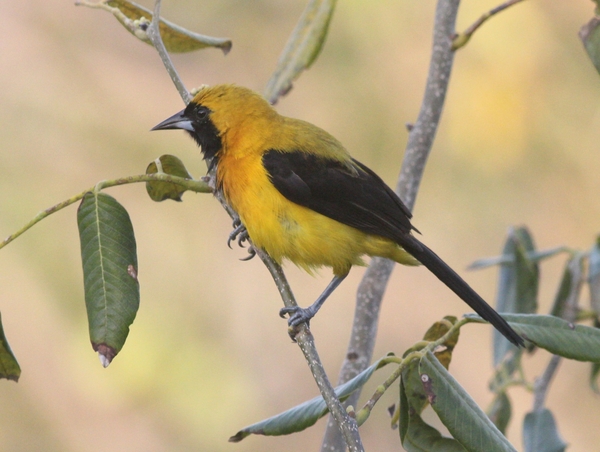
(153, 32)
(461, 39)
(373, 285)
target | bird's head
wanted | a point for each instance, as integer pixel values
(220, 117)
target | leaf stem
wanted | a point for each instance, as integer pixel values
(461, 39)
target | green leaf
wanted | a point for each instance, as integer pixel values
(9, 367)
(168, 164)
(175, 38)
(465, 421)
(108, 253)
(302, 48)
(306, 414)
(518, 284)
(570, 285)
(558, 336)
(594, 277)
(415, 434)
(540, 433)
(590, 36)
(418, 436)
(500, 411)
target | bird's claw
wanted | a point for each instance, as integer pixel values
(240, 234)
(238, 227)
(297, 314)
(251, 254)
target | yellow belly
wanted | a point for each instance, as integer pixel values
(287, 230)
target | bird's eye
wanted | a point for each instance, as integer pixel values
(202, 113)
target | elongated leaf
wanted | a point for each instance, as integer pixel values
(594, 277)
(9, 367)
(518, 284)
(540, 433)
(175, 38)
(168, 164)
(302, 48)
(108, 253)
(458, 412)
(558, 336)
(306, 414)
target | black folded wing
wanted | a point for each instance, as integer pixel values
(347, 192)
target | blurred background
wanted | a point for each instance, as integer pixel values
(207, 354)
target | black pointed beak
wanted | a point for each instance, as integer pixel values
(177, 121)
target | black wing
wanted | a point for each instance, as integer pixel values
(347, 192)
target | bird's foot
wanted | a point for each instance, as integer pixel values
(297, 315)
(240, 233)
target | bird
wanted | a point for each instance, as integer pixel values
(300, 196)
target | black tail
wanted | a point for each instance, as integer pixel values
(458, 285)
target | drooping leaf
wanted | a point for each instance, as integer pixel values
(108, 253)
(302, 48)
(306, 414)
(9, 367)
(590, 37)
(540, 433)
(168, 164)
(467, 423)
(518, 284)
(175, 38)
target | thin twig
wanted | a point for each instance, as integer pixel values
(153, 32)
(372, 287)
(461, 39)
(197, 186)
